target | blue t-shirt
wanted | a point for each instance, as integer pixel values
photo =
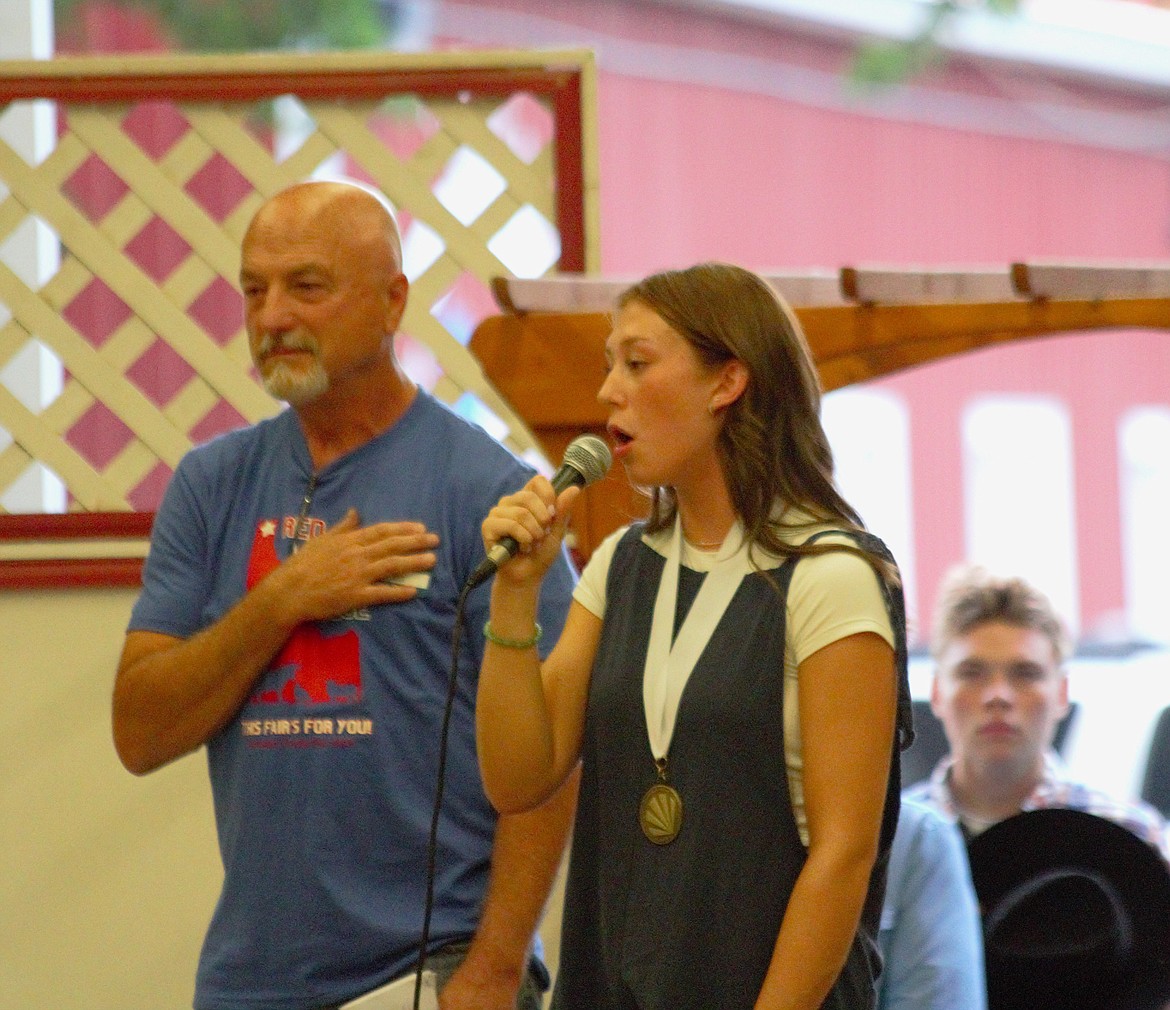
(324, 781)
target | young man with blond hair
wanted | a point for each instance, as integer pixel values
(1000, 690)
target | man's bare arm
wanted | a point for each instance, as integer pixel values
(525, 858)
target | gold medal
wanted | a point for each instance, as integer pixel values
(671, 658)
(660, 814)
(661, 811)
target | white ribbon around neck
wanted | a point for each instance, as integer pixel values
(668, 667)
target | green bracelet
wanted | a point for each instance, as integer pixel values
(512, 643)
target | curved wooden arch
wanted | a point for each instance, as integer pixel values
(549, 365)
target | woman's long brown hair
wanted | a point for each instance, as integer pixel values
(772, 447)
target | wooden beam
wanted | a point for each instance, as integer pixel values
(549, 365)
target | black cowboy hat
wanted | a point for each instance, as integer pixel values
(1076, 914)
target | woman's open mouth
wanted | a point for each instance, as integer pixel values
(620, 438)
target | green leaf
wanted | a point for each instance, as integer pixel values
(878, 64)
(251, 25)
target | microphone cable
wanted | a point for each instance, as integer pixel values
(433, 839)
(586, 459)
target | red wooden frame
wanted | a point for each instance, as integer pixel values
(270, 77)
(60, 573)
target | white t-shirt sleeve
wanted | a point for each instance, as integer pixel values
(833, 596)
(590, 589)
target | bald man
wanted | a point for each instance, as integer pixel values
(296, 620)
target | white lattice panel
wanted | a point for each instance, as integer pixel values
(139, 207)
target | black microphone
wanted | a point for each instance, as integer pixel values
(586, 459)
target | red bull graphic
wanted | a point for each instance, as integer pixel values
(324, 668)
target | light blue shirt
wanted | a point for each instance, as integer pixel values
(931, 937)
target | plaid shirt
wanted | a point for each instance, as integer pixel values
(1055, 789)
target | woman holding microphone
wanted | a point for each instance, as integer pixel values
(731, 676)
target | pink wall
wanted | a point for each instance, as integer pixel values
(1099, 376)
(741, 169)
(768, 183)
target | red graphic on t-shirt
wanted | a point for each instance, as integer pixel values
(326, 668)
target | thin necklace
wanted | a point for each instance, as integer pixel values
(705, 546)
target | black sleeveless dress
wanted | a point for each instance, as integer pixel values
(692, 925)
